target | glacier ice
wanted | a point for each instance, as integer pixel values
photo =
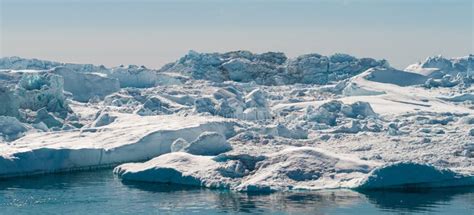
(443, 72)
(42, 90)
(243, 121)
(103, 119)
(329, 112)
(204, 105)
(17, 63)
(408, 175)
(51, 121)
(207, 143)
(271, 68)
(294, 132)
(134, 76)
(85, 86)
(9, 104)
(291, 169)
(103, 146)
(294, 168)
(397, 77)
(352, 89)
(11, 128)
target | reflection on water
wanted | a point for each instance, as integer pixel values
(419, 200)
(101, 192)
(231, 202)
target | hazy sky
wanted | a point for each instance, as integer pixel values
(152, 33)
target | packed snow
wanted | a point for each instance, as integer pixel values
(244, 121)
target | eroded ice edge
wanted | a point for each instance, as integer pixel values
(244, 121)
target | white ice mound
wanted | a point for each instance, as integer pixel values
(292, 168)
(9, 104)
(11, 128)
(294, 132)
(164, 78)
(208, 143)
(176, 168)
(394, 76)
(460, 98)
(270, 68)
(42, 90)
(117, 142)
(257, 107)
(353, 89)
(305, 168)
(134, 76)
(17, 63)
(318, 69)
(85, 86)
(407, 175)
(329, 112)
(103, 119)
(230, 103)
(438, 66)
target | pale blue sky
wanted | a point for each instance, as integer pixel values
(153, 33)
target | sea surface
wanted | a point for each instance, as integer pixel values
(100, 192)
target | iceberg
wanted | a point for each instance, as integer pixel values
(207, 143)
(443, 72)
(407, 175)
(290, 169)
(134, 76)
(42, 90)
(10, 103)
(244, 121)
(17, 63)
(301, 168)
(11, 128)
(397, 77)
(104, 146)
(85, 86)
(270, 68)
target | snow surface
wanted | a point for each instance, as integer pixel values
(118, 142)
(244, 121)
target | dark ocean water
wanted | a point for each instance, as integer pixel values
(100, 192)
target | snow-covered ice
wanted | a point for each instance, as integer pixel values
(413, 175)
(85, 86)
(298, 168)
(244, 121)
(11, 128)
(128, 138)
(207, 143)
(292, 168)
